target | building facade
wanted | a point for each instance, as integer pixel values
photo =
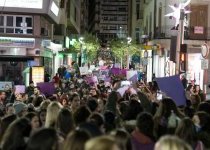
(32, 33)
(162, 32)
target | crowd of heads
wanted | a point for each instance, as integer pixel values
(84, 116)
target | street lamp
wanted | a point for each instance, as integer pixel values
(81, 40)
(129, 39)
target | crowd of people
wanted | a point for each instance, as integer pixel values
(88, 116)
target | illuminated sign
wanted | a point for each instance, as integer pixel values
(37, 74)
(17, 42)
(36, 4)
(54, 8)
(198, 30)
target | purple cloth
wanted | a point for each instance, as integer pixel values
(47, 88)
(115, 71)
(173, 87)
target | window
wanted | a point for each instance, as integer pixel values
(137, 11)
(16, 24)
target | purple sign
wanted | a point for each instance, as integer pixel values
(47, 88)
(172, 87)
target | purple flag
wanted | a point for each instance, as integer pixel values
(115, 71)
(172, 87)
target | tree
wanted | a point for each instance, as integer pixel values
(121, 48)
(90, 45)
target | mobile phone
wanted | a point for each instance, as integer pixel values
(159, 96)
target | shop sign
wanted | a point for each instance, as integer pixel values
(37, 74)
(198, 30)
(17, 42)
(204, 64)
(36, 4)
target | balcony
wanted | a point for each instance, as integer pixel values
(190, 33)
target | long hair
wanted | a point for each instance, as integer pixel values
(65, 121)
(186, 130)
(14, 136)
(52, 114)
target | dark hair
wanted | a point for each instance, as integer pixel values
(65, 122)
(97, 119)
(73, 96)
(109, 118)
(92, 104)
(76, 140)
(15, 134)
(204, 106)
(187, 131)
(44, 139)
(145, 124)
(81, 115)
(123, 139)
(5, 122)
(31, 115)
(134, 108)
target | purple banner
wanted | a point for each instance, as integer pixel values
(47, 88)
(115, 71)
(172, 87)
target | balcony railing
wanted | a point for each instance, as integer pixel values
(190, 33)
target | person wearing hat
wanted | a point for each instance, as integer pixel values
(30, 89)
(20, 108)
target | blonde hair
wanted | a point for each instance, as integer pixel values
(101, 143)
(52, 114)
(169, 142)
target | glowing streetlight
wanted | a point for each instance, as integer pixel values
(81, 40)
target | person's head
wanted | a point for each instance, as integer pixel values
(166, 106)
(134, 108)
(145, 124)
(197, 88)
(5, 122)
(20, 108)
(75, 101)
(123, 139)
(15, 135)
(10, 109)
(52, 114)
(65, 122)
(34, 119)
(81, 115)
(36, 91)
(76, 140)
(31, 83)
(190, 88)
(204, 106)
(201, 120)
(98, 120)
(42, 116)
(2, 95)
(102, 143)
(44, 104)
(44, 139)
(171, 143)
(92, 104)
(187, 131)
(64, 99)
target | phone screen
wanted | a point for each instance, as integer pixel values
(159, 96)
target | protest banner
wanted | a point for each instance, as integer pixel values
(47, 88)
(132, 75)
(83, 70)
(172, 87)
(20, 89)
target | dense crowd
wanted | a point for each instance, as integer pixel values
(88, 116)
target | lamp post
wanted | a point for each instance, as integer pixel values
(81, 40)
(129, 39)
